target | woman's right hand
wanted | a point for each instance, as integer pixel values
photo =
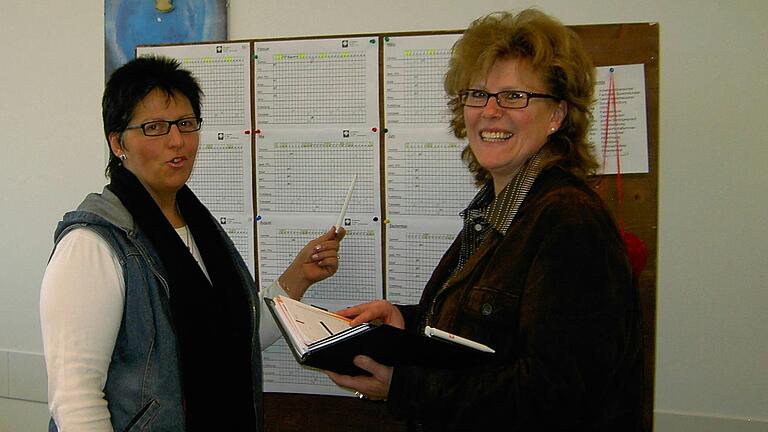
(317, 260)
(376, 310)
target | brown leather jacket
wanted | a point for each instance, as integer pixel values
(555, 298)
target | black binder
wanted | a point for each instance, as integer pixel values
(384, 343)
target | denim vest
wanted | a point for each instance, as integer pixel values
(143, 387)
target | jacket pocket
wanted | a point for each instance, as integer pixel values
(491, 316)
(142, 420)
(492, 305)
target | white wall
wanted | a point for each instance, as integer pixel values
(51, 153)
(712, 351)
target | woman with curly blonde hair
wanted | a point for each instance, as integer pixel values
(539, 271)
(552, 50)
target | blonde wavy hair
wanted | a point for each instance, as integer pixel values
(552, 50)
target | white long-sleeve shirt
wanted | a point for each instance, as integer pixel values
(81, 307)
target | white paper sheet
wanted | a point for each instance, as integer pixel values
(317, 126)
(222, 175)
(239, 228)
(309, 172)
(414, 250)
(414, 67)
(425, 175)
(224, 74)
(317, 83)
(358, 280)
(427, 182)
(282, 374)
(626, 126)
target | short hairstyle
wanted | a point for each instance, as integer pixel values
(553, 51)
(132, 82)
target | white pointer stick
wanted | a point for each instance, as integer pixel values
(346, 204)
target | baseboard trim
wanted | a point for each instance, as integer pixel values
(23, 376)
(678, 421)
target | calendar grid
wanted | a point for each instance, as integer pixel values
(290, 372)
(278, 250)
(218, 178)
(222, 81)
(415, 93)
(413, 260)
(297, 177)
(316, 88)
(422, 179)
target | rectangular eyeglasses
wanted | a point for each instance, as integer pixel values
(163, 127)
(515, 99)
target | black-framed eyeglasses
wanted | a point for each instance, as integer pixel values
(514, 99)
(163, 127)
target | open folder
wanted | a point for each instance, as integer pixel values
(325, 340)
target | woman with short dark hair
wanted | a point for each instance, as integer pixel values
(150, 317)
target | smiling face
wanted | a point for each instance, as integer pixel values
(503, 139)
(163, 163)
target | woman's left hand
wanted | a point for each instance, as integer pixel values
(375, 387)
(317, 260)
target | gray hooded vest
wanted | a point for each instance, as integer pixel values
(143, 387)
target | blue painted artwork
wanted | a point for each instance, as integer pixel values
(128, 23)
